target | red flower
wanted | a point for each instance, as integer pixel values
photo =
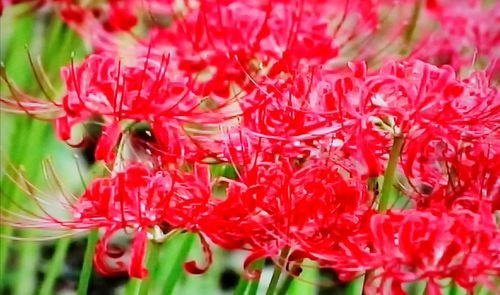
(276, 206)
(445, 174)
(138, 92)
(223, 42)
(284, 116)
(467, 32)
(411, 245)
(139, 202)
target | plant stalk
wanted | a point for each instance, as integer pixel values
(55, 266)
(277, 273)
(83, 282)
(254, 285)
(386, 196)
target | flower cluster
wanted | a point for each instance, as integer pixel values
(346, 151)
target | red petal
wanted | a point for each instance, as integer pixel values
(107, 142)
(138, 250)
(192, 267)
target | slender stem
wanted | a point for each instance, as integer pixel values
(277, 273)
(55, 266)
(355, 286)
(25, 280)
(154, 249)
(176, 270)
(132, 287)
(274, 280)
(254, 285)
(295, 271)
(286, 285)
(241, 287)
(386, 196)
(83, 282)
(412, 25)
(244, 283)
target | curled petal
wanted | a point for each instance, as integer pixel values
(252, 274)
(294, 260)
(107, 260)
(192, 267)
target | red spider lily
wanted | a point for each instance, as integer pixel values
(142, 202)
(408, 99)
(264, 86)
(411, 245)
(461, 45)
(417, 95)
(444, 174)
(115, 92)
(283, 206)
(113, 16)
(283, 116)
(222, 41)
(142, 199)
(360, 110)
(100, 23)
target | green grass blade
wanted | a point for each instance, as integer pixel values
(176, 270)
(86, 272)
(152, 260)
(55, 266)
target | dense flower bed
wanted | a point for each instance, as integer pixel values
(364, 135)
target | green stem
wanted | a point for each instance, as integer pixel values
(412, 25)
(286, 285)
(154, 249)
(386, 196)
(277, 273)
(25, 280)
(244, 283)
(274, 280)
(355, 287)
(305, 282)
(254, 285)
(241, 287)
(8, 192)
(83, 282)
(295, 270)
(176, 270)
(132, 287)
(55, 266)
